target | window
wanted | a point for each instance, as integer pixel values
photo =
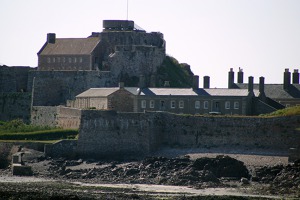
(48, 60)
(75, 60)
(80, 59)
(172, 104)
(162, 104)
(70, 60)
(227, 105)
(152, 104)
(53, 60)
(236, 105)
(197, 104)
(58, 59)
(181, 104)
(205, 104)
(64, 59)
(143, 103)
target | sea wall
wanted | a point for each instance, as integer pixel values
(107, 133)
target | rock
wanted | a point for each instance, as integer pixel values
(245, 181)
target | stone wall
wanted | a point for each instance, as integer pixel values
(278, 133)
(15, 105)
(14, 79)
(63, 148)
(107, 133)
(56, 116)
(53, 88)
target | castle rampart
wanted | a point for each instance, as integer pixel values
(56, 87)
(107, 133)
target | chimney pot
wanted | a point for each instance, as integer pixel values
(296, 76)
(51, 37)
(230, 78)
(206, 82)
(286, 79)
(195, 82)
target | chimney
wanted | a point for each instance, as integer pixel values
(121, 85)
(142, 82)
(250, 85)
(51, 37)
(206, 82)
(286, 79)
(262, 95)
(295, 76)
(230, 78)
(240, 76)
(195, 82)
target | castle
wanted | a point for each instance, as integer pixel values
(117, 69)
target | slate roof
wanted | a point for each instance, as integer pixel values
(197, 92)
(276, 91)
(70, 46)
(229, 92)
(169, 91)
(104, 92)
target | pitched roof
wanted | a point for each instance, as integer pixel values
(197, 92)
(168, 91)
(228, 92)
(276, 91)
(70, 46)
(104, 92)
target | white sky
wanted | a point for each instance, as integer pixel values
(260, 36)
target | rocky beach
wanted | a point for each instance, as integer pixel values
(180, 175)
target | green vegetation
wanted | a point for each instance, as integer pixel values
(18, 130)
(295, 110)
(178, 74)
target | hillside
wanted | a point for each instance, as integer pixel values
(178, 74)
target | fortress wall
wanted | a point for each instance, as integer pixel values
(107, 133)
(277, 133)
(53, 88)
(44, 116)
(14, 79)
(68, 117)
(15, 105)
(56, 116)
(136, 61)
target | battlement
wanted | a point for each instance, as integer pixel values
(121, 25)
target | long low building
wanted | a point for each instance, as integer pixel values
(175, 100)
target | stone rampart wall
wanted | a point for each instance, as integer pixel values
(68, 117)
(56, 116)
(44, 116)
(278, 133)
(52, 88)
(15, 105)
(63, 148)
(107, 133)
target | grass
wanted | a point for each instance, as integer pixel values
(17, 130)
(171, 70)
(290, 111)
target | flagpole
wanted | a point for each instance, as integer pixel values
(127, 10)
